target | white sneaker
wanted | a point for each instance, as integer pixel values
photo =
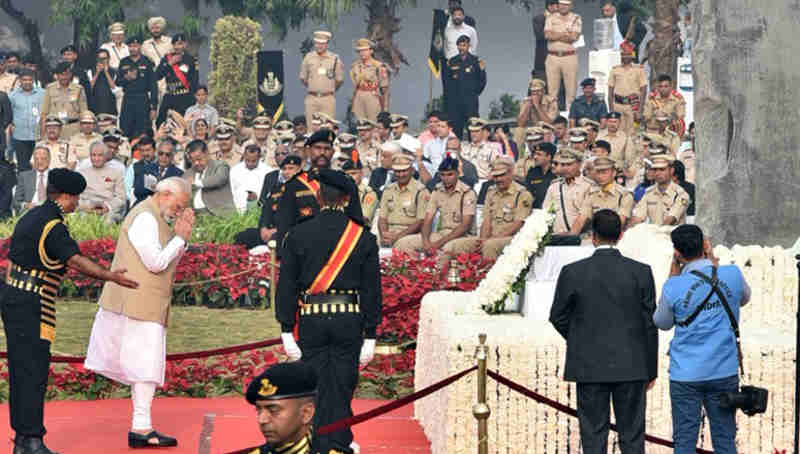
(355, 447)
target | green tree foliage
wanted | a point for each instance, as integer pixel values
(507, 106)
(232, 81)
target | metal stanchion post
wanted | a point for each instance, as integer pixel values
(797, 365)
(481, 410)
(273, 263)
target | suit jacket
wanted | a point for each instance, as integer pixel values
(216, 190)
(625, 13)
(140, 168)
(8, 179)
(26, 189)
(603, 307)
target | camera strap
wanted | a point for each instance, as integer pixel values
(714, 282)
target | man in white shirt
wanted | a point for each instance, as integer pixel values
(434, 151)
(128, 340)
(455, 28)
(247, 178)
(105, 187)
(32, 184)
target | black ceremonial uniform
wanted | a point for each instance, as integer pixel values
(271, 191)
(333, 324)
(301, 447)
(178, 96)
(141, 96)
(298, 203)
(464, 81)
(537, 183)
(39, 250)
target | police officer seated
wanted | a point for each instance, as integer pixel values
(284, 399)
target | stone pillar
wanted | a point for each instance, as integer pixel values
(747, 110)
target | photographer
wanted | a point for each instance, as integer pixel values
(703, 353)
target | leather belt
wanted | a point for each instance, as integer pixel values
(33, 281)
(178, 92)
(561, 53)
(320, 94)
(330, 308)
(626, 100)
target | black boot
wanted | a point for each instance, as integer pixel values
(18, 447)
(136, 440)
(33, 445)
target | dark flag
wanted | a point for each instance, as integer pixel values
(436, 56)
(270, 83)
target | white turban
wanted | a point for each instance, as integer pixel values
(156, 20)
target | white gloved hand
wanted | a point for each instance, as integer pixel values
(367, 352)
(150, 182)
(291, 346)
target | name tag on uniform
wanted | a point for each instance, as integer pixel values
(322, 71)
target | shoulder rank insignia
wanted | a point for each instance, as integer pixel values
(482, 64)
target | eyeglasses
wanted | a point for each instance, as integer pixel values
(164, 153)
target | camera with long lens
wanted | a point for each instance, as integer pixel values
(752, 400)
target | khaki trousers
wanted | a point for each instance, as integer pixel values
(566, 67)
(413, 243)
(324, 104)
(626, 123)
(366, 105)
(491, 248)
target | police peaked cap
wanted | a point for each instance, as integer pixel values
(323, 135)
(448, 163)
(66, 181)
(290, 380)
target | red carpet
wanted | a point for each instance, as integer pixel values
(94, 427)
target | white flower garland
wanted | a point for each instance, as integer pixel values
(497, 285)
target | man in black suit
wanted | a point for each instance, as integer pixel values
(622, 15)
(603, 306)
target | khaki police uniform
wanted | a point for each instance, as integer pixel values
(501, 210)
(7, 82)
(321, 74)
(404, 206)
(369, 201)
(566, 197)
(657, 204)
(267, 149)
(233, 157)
(452, 207)
(66, 103)
(612, 196)
(622, 150)
(481, 154)
(547, 109)
(79, 145)
(562, 59)
(627, 81)
(371, 82)
(673, 106)
(60, 156)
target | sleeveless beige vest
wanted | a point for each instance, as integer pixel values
(150, 302)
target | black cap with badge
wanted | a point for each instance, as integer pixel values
(290, 380)
(66, 181)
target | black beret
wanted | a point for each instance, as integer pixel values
(350, 165)
(283, 381)
(67, 181)
(448, 163)
(135, 39)
(603, 144)
(62, 66)
(292, 159)
(616, 115)
(69, 48)
(546, 147)
(336, 179)
(462, 38)
(588, 81)
(323, 135)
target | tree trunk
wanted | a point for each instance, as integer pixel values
(29, 28)
(746, 115)
(382, 24)
(662, 49)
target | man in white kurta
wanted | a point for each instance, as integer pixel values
(247, 177)
(128, 340)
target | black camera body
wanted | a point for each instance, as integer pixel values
(752, 400)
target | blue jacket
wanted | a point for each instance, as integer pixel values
(706, 348)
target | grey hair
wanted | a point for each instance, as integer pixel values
(97, 143)
(174, 185)
(166, 142)
(40, 147)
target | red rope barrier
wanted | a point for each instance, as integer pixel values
(383, 409)
(215, 352)
(571, 411)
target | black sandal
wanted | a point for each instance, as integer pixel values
(136, 440)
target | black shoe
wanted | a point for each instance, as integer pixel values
(143, 441)
(32, 445)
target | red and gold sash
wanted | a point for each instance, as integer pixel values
(312, 185)
(329, 272)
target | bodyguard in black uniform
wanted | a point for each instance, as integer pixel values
(464, 80)
(39, 254)
(330, 264)
(284, 399)
(138, 82)
(180, 70)
(299, 200)
(537, 180)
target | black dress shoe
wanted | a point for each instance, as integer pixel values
(32, 445)
(143, 441)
